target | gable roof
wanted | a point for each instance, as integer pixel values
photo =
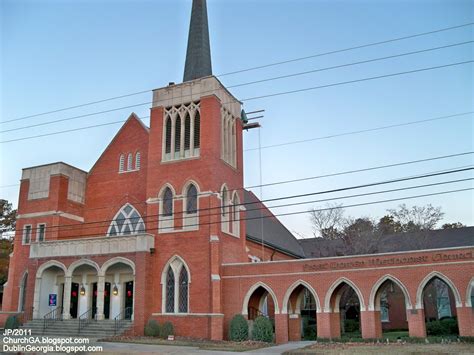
(133, 116)
(433, 239)
(275, 235)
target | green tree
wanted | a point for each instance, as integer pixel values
(7, 217)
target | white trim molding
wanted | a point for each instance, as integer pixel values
(428, 278)
(374, 305)
(92, 246)
(250, 293)
(51, 213)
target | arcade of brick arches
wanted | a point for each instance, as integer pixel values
(128, 239)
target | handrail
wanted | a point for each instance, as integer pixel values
(254, 313)
(25, 315)
(86, 317)
(52, 316)
(121, 317)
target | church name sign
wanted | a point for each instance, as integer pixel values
(388, 261)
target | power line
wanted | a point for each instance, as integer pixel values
(350, 64)
(295, 196)
(255, 68)
(457, 115)
(410, 162)
(158, 228)
(259, 97)
(243, 84)
(347, 49)
(357, 80)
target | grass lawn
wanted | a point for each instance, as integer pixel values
(201, 344)
(384, 349)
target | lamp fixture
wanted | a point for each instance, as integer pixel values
(82, 291)
(115, 290)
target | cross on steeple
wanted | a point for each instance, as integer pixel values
(198, 55)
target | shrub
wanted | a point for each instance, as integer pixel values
(262, 330)
(239, 328)
(309, 330)
(152, 328)
(446, 326)
(12, 322)
(351, 326)
(166, 330)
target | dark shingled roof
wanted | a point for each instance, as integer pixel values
(435, 239)
(275, 233)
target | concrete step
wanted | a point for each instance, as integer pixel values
(70, 327)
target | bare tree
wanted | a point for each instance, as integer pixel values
(417, 217)
(327, 221)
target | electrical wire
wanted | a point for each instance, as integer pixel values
(257, 67)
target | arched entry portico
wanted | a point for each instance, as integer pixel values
(301, 303)
(50, 282)
(115, 289)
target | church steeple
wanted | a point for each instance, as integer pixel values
(198, 55)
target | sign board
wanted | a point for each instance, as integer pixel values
(52, 299)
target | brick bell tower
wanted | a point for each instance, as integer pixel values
(196, 138)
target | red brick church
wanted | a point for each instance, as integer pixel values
(162, 228)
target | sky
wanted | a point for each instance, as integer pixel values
(59, 53)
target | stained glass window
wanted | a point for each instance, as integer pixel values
(167, 202)
(191, 199)
(183, 291)
(168, 136)
(170, 290)
(127, 221)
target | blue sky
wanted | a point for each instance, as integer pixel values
(61, 53)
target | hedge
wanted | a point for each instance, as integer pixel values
(166, 330)
(239, 328)
(152, 328)
(262, 330)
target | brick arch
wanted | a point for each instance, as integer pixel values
(48, 264)
(336, 284)
(81, 262)
(252, 290)
(428, 278)
(378, 284)
(289, 291)
(470, 286)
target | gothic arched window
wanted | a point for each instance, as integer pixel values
(137, 161)
(175, 281)
(191, 199)
(187, 132)
(126, 221)
(197, 130)
(177, 137)
(170, 290)
(224, 201)
(130, 162)
(168, 136)
(167, 202)
(183, 290)
(122, 163)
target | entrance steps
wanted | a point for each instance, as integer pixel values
(70, 328)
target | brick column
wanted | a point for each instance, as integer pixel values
(100, 297)
(370, 324)
(294, 327)
(328, 325)
(67, 298)
(465, 321)
(281, 328)
(416, 323)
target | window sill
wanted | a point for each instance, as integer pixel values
(175, 160)
(128, 171)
